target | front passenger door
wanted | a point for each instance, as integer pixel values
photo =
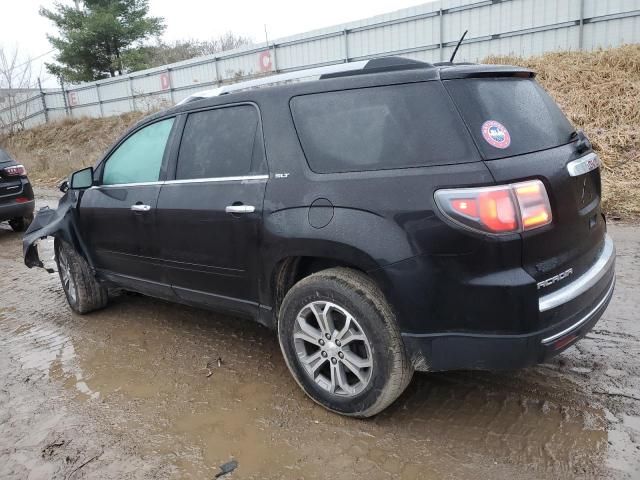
(117, 216)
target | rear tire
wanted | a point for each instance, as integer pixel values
(342, 344)
(20, 224)
(84, 293)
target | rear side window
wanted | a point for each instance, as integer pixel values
(380, 128)
(219, 143)
(509, 116)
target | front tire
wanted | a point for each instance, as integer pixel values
(84, 293)
(342, 344)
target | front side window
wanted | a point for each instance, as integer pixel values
(139, 158)
(219, 143)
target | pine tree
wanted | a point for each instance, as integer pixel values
(96, 38)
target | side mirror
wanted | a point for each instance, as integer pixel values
(63, 186)
(81, 179)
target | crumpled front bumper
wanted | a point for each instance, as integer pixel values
(54, 222)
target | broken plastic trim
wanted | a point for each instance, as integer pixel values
(53, 222)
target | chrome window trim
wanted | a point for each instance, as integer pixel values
(584, 319)
(583, 165)
(218, 179)
(190, 180)
(137, 184)
(584, 282)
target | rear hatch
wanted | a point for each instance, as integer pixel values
(522, 134)
(10, 186)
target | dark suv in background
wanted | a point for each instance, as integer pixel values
(389, 216)
(16, 194)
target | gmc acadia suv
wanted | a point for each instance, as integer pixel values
(382, 216)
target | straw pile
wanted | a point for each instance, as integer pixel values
(599, 91)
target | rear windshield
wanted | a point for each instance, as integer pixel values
(380, 128)
(509, 116)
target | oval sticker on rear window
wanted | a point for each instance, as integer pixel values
(496, 134)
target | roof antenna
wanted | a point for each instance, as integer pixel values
(453, 55)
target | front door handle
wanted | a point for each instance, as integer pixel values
(240, 209)
(140, 208)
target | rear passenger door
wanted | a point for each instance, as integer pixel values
(209, 216)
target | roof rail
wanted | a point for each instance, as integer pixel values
(278, 79)
(383, 64)
(330, 71)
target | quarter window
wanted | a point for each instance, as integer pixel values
(219, 143)
(139, 158)
(381, 128)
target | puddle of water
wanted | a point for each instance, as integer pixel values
(44, 348)
(148, 360)
(145, 362)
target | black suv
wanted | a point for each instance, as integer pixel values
(16, 194)
(387, 217)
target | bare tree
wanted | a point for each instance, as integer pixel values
(15, 90)
(163, 53)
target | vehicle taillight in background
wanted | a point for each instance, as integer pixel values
(14, 171)
(512, 208)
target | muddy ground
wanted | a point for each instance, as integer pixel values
(136, 391)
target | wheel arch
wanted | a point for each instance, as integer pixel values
(292, 265)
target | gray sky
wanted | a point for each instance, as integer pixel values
(20, 24)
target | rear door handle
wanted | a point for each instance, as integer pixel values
(240, 209)
(140, 208)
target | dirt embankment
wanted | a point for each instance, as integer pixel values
(52, 151)
(599, 91)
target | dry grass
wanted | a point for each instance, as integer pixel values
(50, 152)
(599, 91)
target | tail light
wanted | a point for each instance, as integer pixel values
(512, 208)
(14, 171)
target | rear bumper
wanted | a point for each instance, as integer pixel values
(570, 312)
(15, 210)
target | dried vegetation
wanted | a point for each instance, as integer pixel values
(52, 151)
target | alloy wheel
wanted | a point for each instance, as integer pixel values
(65, 275)
(332, 348)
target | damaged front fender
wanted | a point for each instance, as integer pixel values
(58, 222)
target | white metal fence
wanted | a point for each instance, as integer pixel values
(426, 32)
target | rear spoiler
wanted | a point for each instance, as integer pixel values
(482, 71)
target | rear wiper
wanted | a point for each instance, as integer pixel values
(583, 142)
